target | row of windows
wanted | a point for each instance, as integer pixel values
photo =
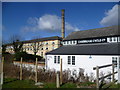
(39, 49)
(70, 42)
(31, 44)
(109, 39)
(71, 60)
(114, 39)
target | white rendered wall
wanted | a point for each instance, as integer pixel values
(81, 61)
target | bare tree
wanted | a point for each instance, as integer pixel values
(35, 45)
(16, 42)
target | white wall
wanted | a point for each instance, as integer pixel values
(81, 61)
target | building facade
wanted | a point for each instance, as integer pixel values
(42, 44)
(87, 49)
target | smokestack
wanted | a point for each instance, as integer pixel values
(63, 24)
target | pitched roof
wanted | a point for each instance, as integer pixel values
(93, 33)
(43, 39)
(88, 49)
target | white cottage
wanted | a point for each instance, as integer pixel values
(87, 49)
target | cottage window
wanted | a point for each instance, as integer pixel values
(73, 60)
(54, 59)
(69, 59)
(114, 61)
(58, 59)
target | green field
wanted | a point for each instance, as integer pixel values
(15, 83)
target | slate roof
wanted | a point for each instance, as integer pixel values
(39, 39)
(93, 33)
(43, 39)
(88, 49)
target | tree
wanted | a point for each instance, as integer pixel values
(4, 45)
(16, 42)
(35, 46)
(4, 48)
(17, 46)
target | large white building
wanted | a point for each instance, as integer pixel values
(87, 49)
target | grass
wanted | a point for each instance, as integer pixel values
(115, 86)
(66, 85)
(14, 83)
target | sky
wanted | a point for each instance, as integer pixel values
(43, 19)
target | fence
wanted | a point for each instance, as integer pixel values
(102, 78)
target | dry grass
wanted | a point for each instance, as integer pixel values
(12, 71)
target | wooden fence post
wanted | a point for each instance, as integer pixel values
(61, 72)
(2, 70)
(36, 70)
(57, 80)
(113, 76)
(97, 78)
(21, 68)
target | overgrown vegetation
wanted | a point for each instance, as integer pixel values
(27, 57)
(15, 83)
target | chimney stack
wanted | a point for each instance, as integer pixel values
(63, 24)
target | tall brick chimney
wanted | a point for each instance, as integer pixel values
(63, 24)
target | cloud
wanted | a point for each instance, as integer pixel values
(111, 17)
(47, 22)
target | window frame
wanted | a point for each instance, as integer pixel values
(69, 60)
(73, 59)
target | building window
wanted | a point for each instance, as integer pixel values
(47, 43)
(73, 60)
(58, 59)
(41, 48)
(67, 42)
(54, 59)
(114, 61)
(53, 42)
(114, 38)
(73, 42)
(69, 59)
(110, 39)
(46, 48)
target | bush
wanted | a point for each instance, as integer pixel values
(27, 57)
(8, 58)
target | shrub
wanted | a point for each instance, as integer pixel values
(27, 57)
